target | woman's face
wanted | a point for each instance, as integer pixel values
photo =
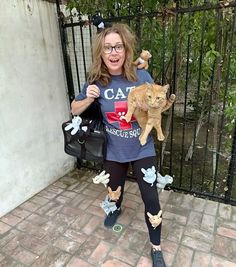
(113, 53)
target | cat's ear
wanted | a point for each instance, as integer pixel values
(166, 88)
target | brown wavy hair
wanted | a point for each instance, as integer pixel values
(98, 71)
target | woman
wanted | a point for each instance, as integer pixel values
(112, 76)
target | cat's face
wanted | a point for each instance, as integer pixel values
(156, 95)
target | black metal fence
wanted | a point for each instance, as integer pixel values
(194, 50)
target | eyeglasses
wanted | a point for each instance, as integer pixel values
(119, 48)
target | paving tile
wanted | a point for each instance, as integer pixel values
(130, 204)
(133, 197)
(24, 256)
(144, 262)
(30, 206)
(36, 219)
(199, 204)
(11, 219)
(107, 234)
(21, 213)
(87, 248)
(67, 180)
(66, 244)
(81, 221)
(218, 261)
(91, 225)
(177, 210)
(208, 222)
(194, 219)
(71, 212)
(167, 228)
(30, 228)
(44, 209)
(176, 232)
(62, 199)
(133, 188)
(1, 257)
(79, 187)
(169, 246)
(139, 225)
(76, 236)
(10, 262)
(199, 234)
(69, 194)
(225, 211)
(164, 197)
(221, 246)
(175, 217)
(39, 200)
(85, 203)
(195, 244)
(233, 213)
(114, 263)
(134, 240)
(127, 216)
(175, 199)
(226, 232)
(201, 259)
(211, 207)
(187, 202)
(124, 255)
(4, 227)
(184, 257)
(169, 258)
(7, 237)
(77, 262)
(100, 252)
(98, 211)
(52, 257)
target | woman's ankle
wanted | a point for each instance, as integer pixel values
(156, 247)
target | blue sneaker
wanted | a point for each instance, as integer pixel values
(111, 218)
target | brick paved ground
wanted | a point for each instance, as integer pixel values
(63, 226)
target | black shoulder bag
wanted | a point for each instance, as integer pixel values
(89, 142)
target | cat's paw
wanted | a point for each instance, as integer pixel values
(172, 97)
(161, 137)
(142, 140)
(127, 118)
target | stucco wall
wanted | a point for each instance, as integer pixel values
(33, 101)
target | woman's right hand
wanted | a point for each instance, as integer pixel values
(92, 91)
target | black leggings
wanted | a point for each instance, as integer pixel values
(118, 173)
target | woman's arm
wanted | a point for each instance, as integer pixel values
(92, 92)
(77, 107)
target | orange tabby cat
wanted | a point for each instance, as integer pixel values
(147, 102)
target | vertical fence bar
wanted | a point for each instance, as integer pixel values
(232, 164)
(82, 44)
(232, 169)
(218, 75)
(199, 87)
(186, 93)
(75, 56)
(174, 81)
(208, 106)
(66, 58)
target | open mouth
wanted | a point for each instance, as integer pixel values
(114, 60)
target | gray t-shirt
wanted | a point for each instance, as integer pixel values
(122, 138)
